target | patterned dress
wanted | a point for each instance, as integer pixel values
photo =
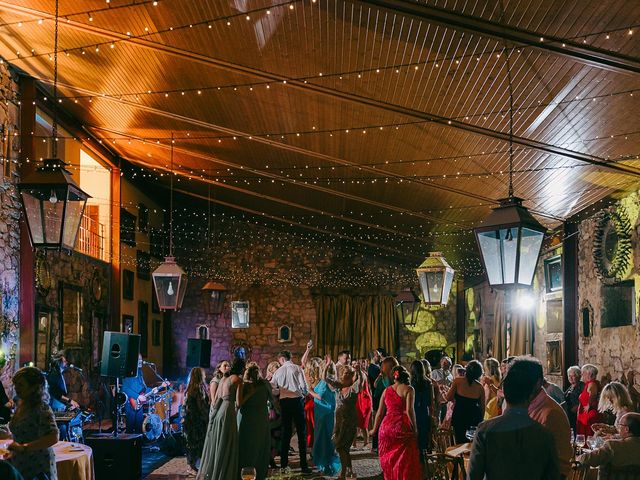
(196, 418)
(344, 431)
(30, 427)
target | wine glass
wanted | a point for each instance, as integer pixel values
(248, 473)
(592, 442)
(580, 441)
(470, 433)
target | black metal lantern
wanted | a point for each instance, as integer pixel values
(213, 294)
(170, 284)
(53, 206)
(510, 240)
(435, 277)
(407, 306)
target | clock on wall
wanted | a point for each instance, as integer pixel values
(612, 245)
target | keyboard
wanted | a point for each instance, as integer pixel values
(63, 417)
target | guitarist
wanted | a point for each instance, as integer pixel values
(136, 391)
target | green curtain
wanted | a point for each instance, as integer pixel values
(521, 333)
(355, 323)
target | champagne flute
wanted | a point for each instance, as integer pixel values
(248, 473)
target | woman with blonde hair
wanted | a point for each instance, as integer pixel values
(491, 383)
(275, 423)
(614, 398)
(33, 427)
(572, 394)
(253, 422)
(196, 416)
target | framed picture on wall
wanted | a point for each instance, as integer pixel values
(127, 284)
(127, 323)
(143, 327)
(143, 265)
(553, 273)
(554, 358)
(240, 314)
(155, 335)
(127, 228)
(70, 315)
(155, 308)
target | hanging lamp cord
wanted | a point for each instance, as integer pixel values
(507, 53)
(171, 201)
(54, 126)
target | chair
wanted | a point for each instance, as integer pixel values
(608, 472)
(578, 471)
(443, 439)
(439, 466)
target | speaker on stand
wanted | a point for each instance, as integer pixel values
(120, 360)
(198, 352)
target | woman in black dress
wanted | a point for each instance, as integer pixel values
(468, 394)
(422, 404)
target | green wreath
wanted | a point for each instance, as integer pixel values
(612, 244)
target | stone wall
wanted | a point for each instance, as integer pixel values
(614, 350)
(278, 273)
(9, 223)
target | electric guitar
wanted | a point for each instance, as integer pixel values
(138, 404)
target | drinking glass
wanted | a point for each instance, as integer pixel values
(248, 473)
(580, 440)
(470, 433)
(592, 442)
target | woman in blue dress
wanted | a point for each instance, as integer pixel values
(325, 457)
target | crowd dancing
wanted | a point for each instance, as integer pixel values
(244, 417)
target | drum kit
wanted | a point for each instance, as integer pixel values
(157, 413)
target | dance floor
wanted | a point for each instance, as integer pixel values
(365, 464)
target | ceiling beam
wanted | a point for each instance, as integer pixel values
(329, 92)
(595, 57)
(350, 97)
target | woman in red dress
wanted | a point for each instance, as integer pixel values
(397, 440)
(364, 404)
(588, 409)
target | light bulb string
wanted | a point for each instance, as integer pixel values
(54, 126)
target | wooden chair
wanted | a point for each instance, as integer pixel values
(439, 466)
(443, 439)
(578, 471)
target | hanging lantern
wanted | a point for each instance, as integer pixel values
(170, 284)
(435, 277)
(53, 205)
(213, 294)
(407, 306)
(510, 240)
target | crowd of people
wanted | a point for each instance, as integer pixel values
(517, 420)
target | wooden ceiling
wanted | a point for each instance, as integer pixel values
(382, 121)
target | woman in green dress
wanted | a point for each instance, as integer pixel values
(221, 447)
(253, 422)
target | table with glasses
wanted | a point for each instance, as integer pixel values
(74, 461)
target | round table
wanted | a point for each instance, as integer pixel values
(74, 461)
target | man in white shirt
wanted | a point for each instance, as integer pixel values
(443, 378)
(289, 381)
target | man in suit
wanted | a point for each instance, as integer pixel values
(621, 452)
(513, 445)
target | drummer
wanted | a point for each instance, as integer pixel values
(136, 391)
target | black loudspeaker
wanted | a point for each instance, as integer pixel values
(198, 352)
(119, 355)
(116, 457)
